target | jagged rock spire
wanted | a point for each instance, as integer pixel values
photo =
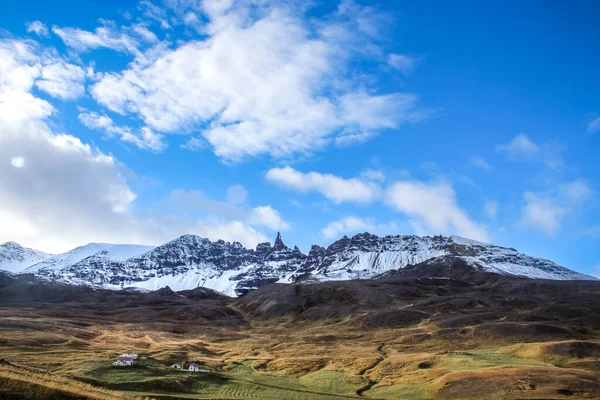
(278, 242)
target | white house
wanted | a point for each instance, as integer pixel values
(194, 367)
(176, 366)
(123, 361)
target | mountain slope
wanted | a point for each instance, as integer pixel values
(15, 258)
(191, 261)
(93, 255)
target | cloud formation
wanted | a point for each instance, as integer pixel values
(144, 139)
(481, 163)
(404, 63)
(520, 146)
(266, 82)
(594, 126)
(336, 189)
(432, 209)
(541, 213)
(546, 211)
(58, 192)
(351, 225)
(37, 27)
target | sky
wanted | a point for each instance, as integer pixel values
(138, 122)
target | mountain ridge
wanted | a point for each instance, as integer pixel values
(14, 258)
(191, 261)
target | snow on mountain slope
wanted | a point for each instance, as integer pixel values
(15, 258)
(191, 261)
(91, 253)
(508, 261)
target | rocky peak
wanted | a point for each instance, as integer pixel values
(191, 261)
(279, 245)
(262, 249)
(280, 252)
(11, 245)
(15, 258)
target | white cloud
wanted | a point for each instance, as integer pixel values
(520, 146)
(135, 39)
(403, 63)
(105, 36)
(230, 231)
(576, 191)
(491, 209)
(261, 82)
(373, 175)
(69, 191)
(17, 162)
(546, 211)
(236, 194)
(23, 64)
(38, 28)
(85, 198)
(62, 80)
(542, 213)
(594, 126)
(144, 33)
(350, 225)
(432, 208)
(365, 115)
(195, 205)
(480, 162)
(269, 217)
(154, 12)
(145, 139)
(63, 193)
(333, 187)
(190, 18)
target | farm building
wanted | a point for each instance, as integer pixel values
(123, 361)
(176, 366)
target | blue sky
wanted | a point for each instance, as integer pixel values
(142, 121)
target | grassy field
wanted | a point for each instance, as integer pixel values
(239, 382)
(54, 353)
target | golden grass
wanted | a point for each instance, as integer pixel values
(396, 361)
(46, 385)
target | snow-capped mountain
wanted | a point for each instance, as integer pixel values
(191, 261)
(366, 255)
(90, 255)
(15, 258)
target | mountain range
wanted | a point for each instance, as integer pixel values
(192, 261)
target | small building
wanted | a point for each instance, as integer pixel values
(123, 361)
(194, 367)
(176, 366)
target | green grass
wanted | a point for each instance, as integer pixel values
(331, 382)
(241, 382)
(136, 373)
(482, 358)
(405, 392)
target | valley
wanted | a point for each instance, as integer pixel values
(444, 331)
